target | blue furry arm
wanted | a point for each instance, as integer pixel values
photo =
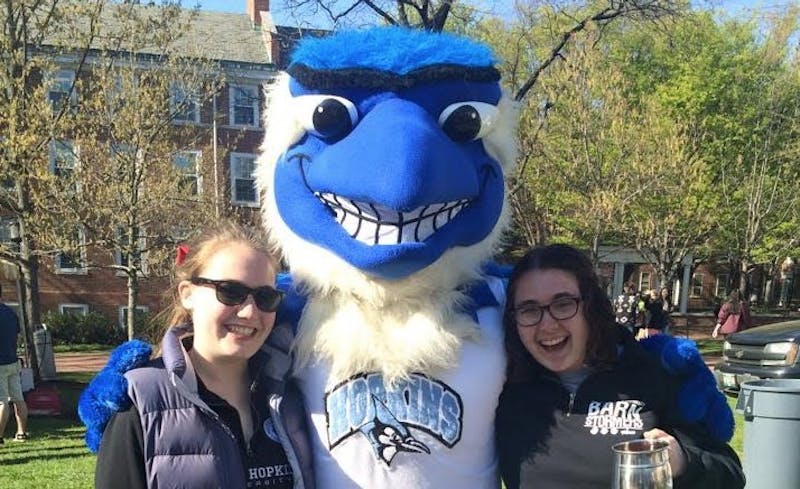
(294, 301)
(699, 400)
(107, 393)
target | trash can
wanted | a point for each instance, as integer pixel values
(771, 409)
(44, 353)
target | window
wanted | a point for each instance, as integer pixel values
(644, 282)
(62, 158)
(77, 309)
(9, 233)
(243, 105)
(697, 285)
(139, 315)
(121, 258)
(184, 105)
(721, 285)
(125, 159)
(59, 91)
(243, 185)
(73, 261)
(188, 163)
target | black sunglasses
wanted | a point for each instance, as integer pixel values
(232, 293)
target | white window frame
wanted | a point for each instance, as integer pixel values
(79, 309)
(115, 91)
(197, 175)
(63, 80)
(642, 286)
(253, 94)
(116, 150)
(696, 281)
(721, 285)
(80, 269)
(55, 145)
(193, 105)
(235, 176)
(122, 312)
(6, 225)
(118, 253)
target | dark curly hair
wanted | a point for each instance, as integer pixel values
(601, 350)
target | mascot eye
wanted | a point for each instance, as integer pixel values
(466, 121)
(326, 116)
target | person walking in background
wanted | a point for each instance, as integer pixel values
(657, 313)
(10, 382)
(667, 306)
(734, 315)
(210, 411)
(626, 307)
(578, 384)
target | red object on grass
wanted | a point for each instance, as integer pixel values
(44, 400)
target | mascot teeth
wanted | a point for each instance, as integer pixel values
(373, 224)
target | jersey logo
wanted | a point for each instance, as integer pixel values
(614, 417)
(270, 431)
(386, 418)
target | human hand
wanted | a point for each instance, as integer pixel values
(677, 459)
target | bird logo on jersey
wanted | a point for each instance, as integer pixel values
(388, 436)
(385, 417)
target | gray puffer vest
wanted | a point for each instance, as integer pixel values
(186, 444)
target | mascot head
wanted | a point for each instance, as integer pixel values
(382, 168)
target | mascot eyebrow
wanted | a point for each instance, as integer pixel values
(391, 59)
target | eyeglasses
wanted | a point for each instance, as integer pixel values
(529, 314)
(232, 293)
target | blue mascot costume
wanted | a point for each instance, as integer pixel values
(382, 182)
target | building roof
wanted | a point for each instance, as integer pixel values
(233, 38)
(221, 36)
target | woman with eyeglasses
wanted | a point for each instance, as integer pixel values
(210, 411)
(579, 383)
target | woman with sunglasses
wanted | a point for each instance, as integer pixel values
(579, 383)
(208, 412)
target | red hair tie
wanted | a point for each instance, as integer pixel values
(180, 253)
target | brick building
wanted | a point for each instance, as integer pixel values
(250, 50)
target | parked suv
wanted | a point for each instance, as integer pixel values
(766, 352)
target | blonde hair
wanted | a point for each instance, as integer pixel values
(200, 251)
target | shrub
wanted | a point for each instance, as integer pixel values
(70, 328)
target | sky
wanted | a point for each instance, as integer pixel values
(282, 16)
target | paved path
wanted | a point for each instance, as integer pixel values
(80, 362)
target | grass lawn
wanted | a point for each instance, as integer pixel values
(56, 456)
(737, 442)
(710, 346)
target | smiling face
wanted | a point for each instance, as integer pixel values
(221, 332)
(557, 344)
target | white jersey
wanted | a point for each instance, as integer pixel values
(425, 433)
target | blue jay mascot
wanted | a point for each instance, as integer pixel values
(382, 179)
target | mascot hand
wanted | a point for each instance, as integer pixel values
(699, 400)
(107, 393)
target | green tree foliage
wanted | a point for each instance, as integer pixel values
(675, 138)
(733, 84)
(91, 144)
